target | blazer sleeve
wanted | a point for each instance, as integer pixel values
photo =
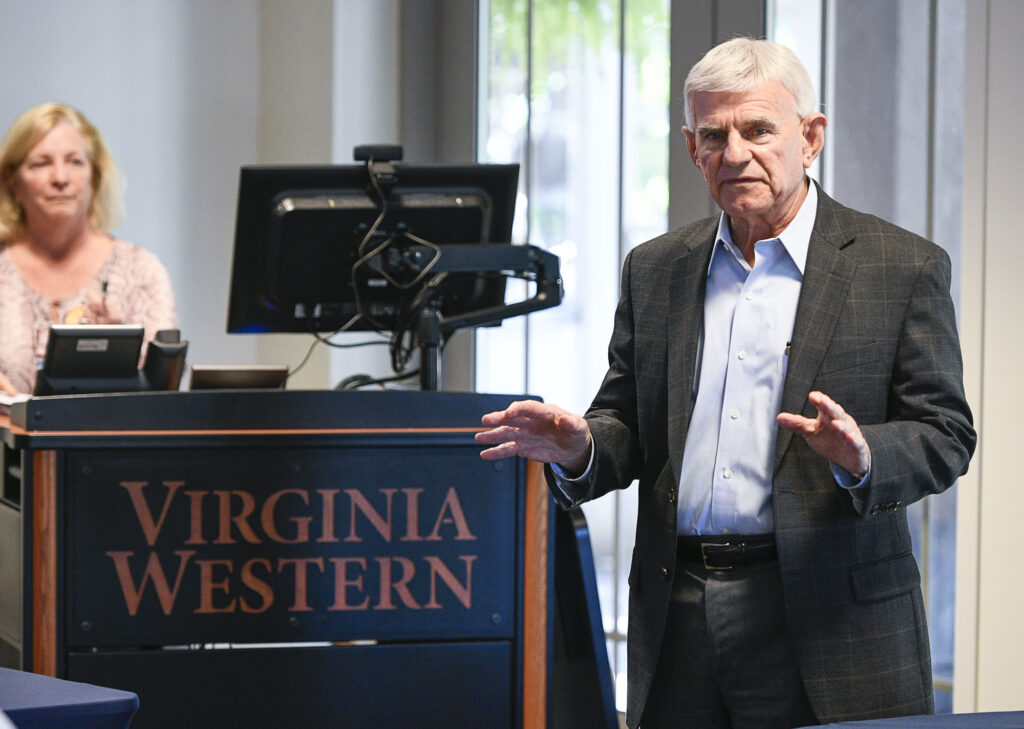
(622, 443)
(927, 438)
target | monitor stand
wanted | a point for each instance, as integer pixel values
(428, 337)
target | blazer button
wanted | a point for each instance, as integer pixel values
(664, 573)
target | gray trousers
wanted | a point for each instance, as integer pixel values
(727, 661)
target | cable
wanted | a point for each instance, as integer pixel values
(319, 338)
(356, 381)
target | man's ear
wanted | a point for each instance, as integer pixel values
(691, 144)
(813, 130)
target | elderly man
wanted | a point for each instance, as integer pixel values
(772, 582)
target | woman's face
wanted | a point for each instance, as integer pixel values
(54, 182)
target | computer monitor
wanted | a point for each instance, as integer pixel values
(321, 248)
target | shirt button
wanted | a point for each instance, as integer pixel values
(727, 473)
(734, 413)
(742, 354)
(748, 296)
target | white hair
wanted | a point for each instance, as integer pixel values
(742, 64)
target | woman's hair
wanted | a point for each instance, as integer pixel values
(106, 210)
(742, 64)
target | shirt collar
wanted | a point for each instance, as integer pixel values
(796, 237)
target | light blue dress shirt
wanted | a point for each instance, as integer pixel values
(725, 485)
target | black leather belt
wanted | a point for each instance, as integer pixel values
(726, 552)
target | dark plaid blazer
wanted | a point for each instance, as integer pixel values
(875, 330)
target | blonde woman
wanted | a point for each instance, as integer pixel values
(59, 199)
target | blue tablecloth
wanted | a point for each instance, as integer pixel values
(992, 720)
(32, 701)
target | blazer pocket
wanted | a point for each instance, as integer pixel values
(850, 356)
(885, 578)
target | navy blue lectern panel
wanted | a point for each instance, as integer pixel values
(416, 685)
(996, 720)
(377, 541)
(40, 702)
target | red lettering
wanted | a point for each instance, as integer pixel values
(463, 592)
(360, 503)
(150, 527)
(451, 513)
(301, 522)
(257, 585)
(342, 583)
(241, 520)
(195, 517)
(327, 512)
(207, 586)
(154, 572)
(301, 603)
(401, 587)
(412, 515)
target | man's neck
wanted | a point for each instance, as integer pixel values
(746, 231)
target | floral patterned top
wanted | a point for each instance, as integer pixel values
(133, 281)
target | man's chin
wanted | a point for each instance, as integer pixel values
(742, 207)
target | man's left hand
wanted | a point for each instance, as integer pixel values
(833, 434)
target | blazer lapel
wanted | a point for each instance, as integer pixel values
(827, 276)
(685, 321)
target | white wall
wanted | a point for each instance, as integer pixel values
(185, 93)
(174, 87)
(989, 671)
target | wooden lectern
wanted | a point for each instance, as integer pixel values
(306, 559)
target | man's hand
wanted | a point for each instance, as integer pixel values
(537, 431)
(833, 435)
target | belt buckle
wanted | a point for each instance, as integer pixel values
(704, 554)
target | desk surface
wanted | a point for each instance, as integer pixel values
(991, 720)
(32, 701)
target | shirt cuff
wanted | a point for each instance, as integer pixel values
(573, 489)
(846, 479)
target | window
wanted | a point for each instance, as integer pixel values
(577, 93)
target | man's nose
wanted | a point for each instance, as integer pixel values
(735, 152)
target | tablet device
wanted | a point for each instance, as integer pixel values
(91, 358)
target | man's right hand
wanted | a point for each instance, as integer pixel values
(537, 431)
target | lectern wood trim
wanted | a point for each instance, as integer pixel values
(535, 599)
(44, 562)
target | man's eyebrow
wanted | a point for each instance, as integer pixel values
(704, 129)
(761, 121)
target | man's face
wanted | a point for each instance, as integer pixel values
(752, 148)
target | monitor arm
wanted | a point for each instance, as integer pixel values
(526, 262)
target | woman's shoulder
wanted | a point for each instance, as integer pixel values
(135, 256)
(7, 266)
